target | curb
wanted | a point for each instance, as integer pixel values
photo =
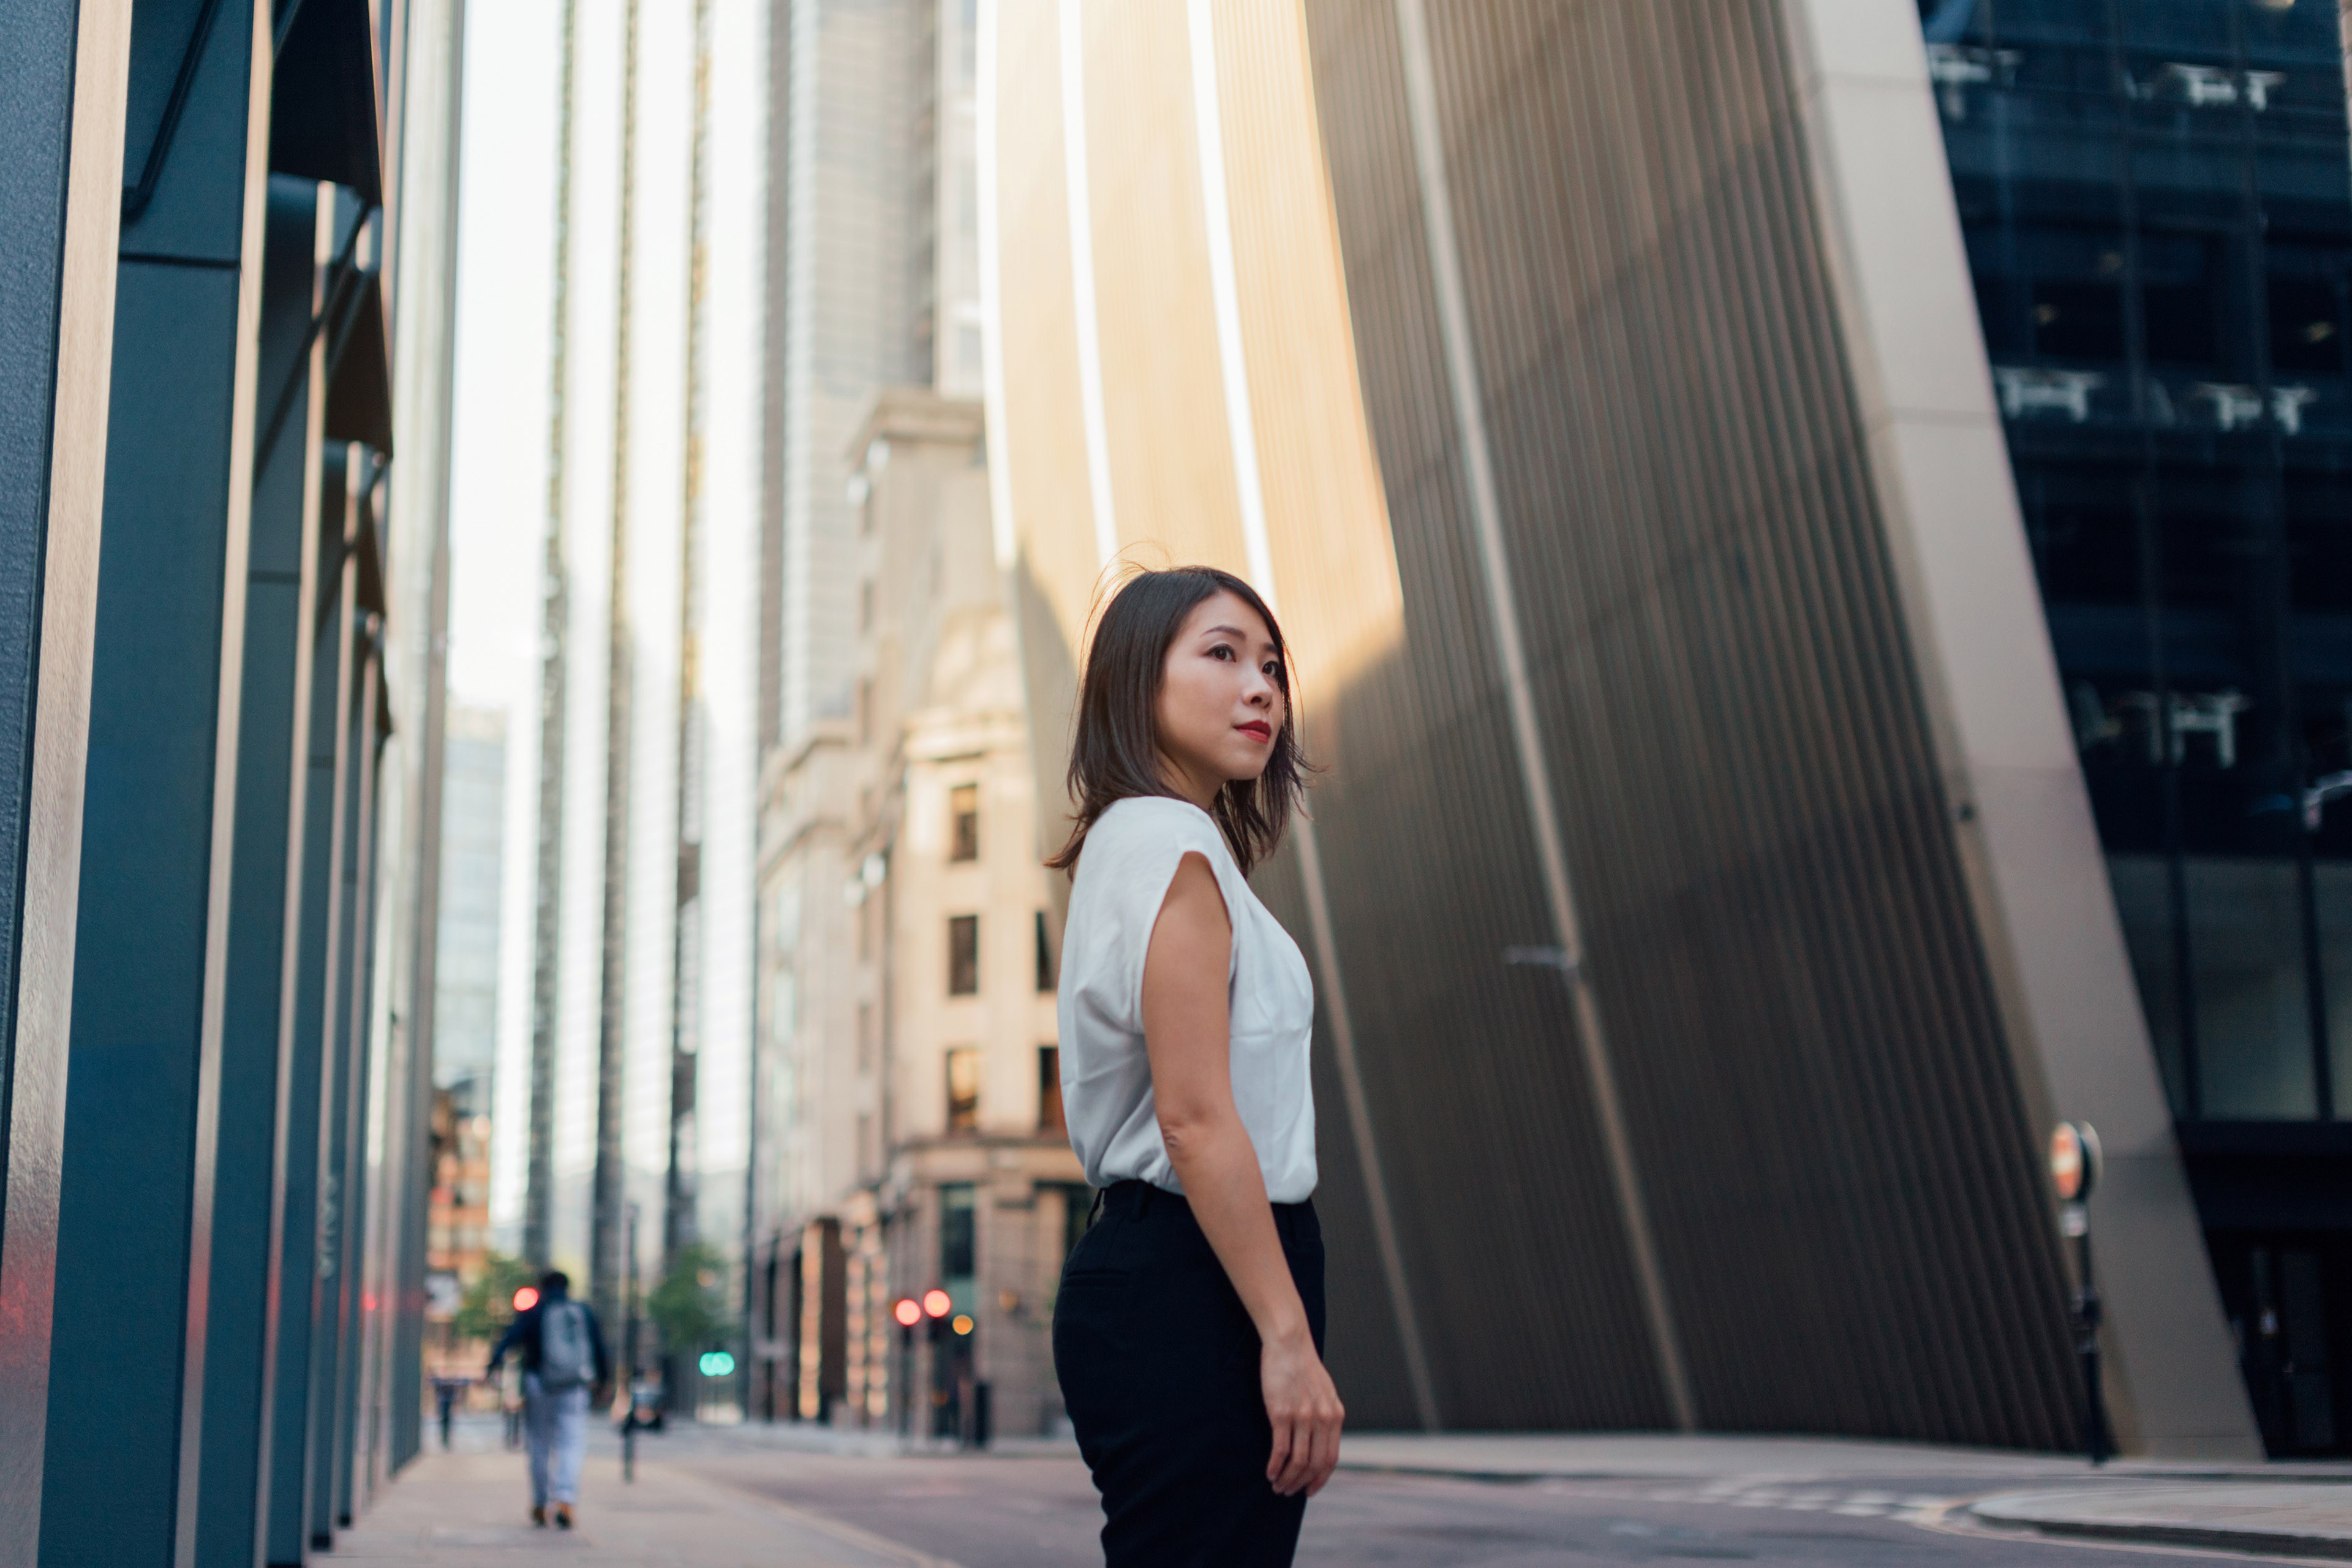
(1989, 1512)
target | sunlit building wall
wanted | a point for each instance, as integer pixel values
(468, 959)
(866, 144)
(729, 451)
(644, 876)
(1704, 898)
(582, 492)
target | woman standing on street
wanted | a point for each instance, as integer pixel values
(1188, 1333)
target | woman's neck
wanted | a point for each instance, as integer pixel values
(1181, 779)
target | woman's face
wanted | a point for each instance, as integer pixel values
(1221, 702)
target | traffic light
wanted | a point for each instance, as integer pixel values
(937, 1305)
(908, 1311)
(526, 1299)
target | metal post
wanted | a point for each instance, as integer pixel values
(2098, 1441)
(134, 1218)
(367, 748)
(309, 1073)
(2074, 1162)
(61, 119)
(265, 909)
(334, 1091)
(629, 1360)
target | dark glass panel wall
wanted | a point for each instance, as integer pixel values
(2155, 197)
(1820, 1095)
(2158, 218)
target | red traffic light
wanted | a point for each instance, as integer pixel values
(2074, 1160)
(936, 1303)
(527, 1298)
(908, 1312)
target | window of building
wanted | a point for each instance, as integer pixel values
(959, 1235)
(963, 955)
(1049, 1090)
(963, 1090)
(963, 812)
(1048, 972)
(866, 1037)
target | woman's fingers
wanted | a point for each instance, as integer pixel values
(1284, 1436)
(1300, 1464)
(1326, 1453)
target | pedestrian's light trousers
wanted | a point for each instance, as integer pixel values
(556, 1428)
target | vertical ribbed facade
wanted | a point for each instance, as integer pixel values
(1673, 1066)
(1823, 1111)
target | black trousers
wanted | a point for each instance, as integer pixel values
(1158, 1365)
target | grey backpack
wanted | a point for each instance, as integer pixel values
(566, 1359)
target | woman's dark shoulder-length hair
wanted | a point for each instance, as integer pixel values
(1116, 752)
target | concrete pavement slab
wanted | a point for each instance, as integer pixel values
(471, 1511)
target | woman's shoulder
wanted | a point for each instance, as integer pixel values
(1148, 826)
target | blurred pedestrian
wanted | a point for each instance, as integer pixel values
(1185, 1013)
(446, 1391)
(562, 1353)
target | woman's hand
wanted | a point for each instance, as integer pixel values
(1186, 1035)
(1305, 1411)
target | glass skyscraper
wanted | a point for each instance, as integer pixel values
(2157, 212)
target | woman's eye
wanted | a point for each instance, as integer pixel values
(1221, 651)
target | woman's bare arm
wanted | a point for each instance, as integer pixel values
(1187, 1035)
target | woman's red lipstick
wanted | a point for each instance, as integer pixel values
(1257, 727)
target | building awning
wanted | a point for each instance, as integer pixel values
(359, 371)
(323, 118)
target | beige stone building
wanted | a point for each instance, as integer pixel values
(918, 1102)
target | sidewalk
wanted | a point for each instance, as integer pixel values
(2308, 1517)
(2275, 1509)
(1660, 1457)
(471, 1509)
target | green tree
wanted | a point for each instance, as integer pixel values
(687, 1306)
(488, 1306)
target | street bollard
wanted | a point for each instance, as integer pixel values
(2073, 1170)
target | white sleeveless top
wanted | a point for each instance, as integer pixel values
(1130, 856)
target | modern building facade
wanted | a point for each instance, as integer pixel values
(2159, 228)
(227, 237)
(907, 1134)
(1709, 893)
(925, 1143)
(644, 759)
(467, 961)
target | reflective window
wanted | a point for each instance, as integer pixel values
(959, 1239)
(963, 817)
(2153, 197)
(1049, 1090)
(963, 1090)
(963, 955)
